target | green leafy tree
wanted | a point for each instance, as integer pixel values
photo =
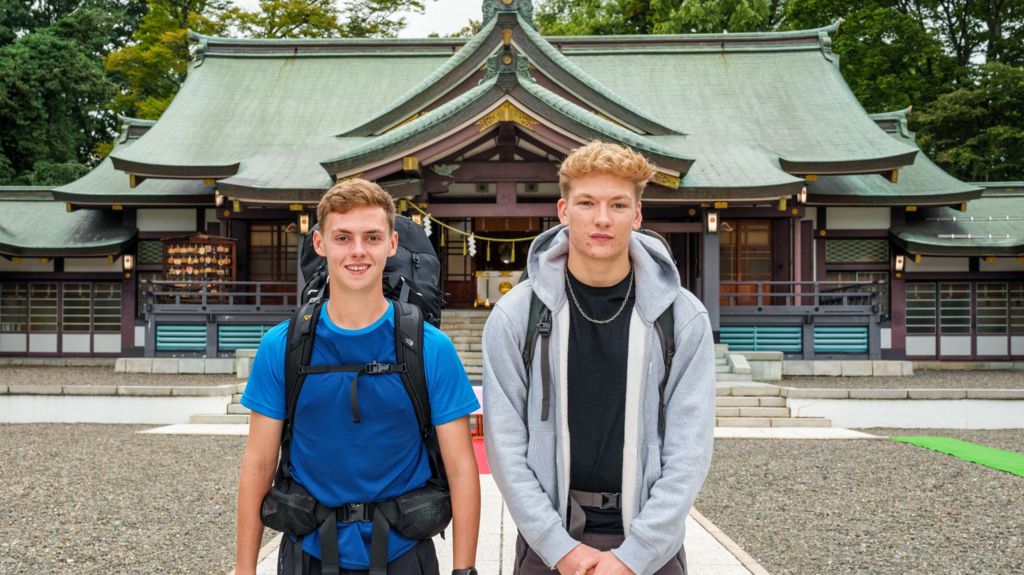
(977, 131)
(376, 18)
(152, 69)
(890, 61)
(20, 17)
(596, 17)
(53, 98)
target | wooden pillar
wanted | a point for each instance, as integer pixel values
(710, 278)
(129, 291)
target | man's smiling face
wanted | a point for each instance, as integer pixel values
(356, 245)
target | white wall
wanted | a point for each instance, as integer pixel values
(937, 264)
(166, 220)
(102, 265)
(25, 265)
(915, 414)
(857, 218)
(1002, 265)
(105, 408)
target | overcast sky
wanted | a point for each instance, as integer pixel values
(442, 16)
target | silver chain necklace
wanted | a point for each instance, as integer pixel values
(572, 294)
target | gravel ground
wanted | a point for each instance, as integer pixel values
(922, 379)
(99, 499)
(867, 507)
(104, 376)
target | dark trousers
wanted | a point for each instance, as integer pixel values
(529, 563)
(420, 560)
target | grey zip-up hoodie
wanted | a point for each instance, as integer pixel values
(530, 458)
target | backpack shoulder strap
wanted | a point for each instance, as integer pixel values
(665, 327)
(409, 353)
(539, 325)
(297, 353)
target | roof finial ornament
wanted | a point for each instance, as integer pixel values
(493, 7)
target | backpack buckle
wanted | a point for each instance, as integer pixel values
(610, 501)
(374, 368)
(544, 324)
(355, 513)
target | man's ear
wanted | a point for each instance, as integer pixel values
(638, 218)
(318, 243)
(563, 211)
(394, 244)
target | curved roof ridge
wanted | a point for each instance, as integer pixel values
(488, 91)
(595, 122)
(417, 94)
(424, 122)
(815, 33)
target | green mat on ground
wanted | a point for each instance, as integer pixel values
(1007, 461)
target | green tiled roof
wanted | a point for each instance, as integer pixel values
(104, 186)
(488, 94)
(233, 107)
(41, 227)
(922, 183)
(286, 174)
(258, 111)
(992, 226)
(754, 98)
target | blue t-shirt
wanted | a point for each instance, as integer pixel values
(381, 457)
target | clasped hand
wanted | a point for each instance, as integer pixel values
(585, 560)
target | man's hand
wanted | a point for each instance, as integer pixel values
(571, 563)
(602, 563)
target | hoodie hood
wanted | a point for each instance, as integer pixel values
(657, 279)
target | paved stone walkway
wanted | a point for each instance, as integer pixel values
(706, 554)
(720, 432)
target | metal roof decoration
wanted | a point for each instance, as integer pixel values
(922, 183)
(725, 116)
(990, 226)
(33, 225)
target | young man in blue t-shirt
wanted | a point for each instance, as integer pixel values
(382, 456)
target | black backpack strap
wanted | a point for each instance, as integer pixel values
(665, 327)
(297, 353)
(539, 325)
(409, 355)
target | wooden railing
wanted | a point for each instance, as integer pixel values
(199, 317)
(187, 297)
(808, 311)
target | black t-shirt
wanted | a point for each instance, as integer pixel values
(597, 392)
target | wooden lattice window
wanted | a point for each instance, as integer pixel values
(857, 251)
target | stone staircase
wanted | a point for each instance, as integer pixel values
(466, 329)
(741, 402)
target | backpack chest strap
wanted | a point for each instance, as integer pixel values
(373, 368)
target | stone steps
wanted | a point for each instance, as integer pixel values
(772, 422)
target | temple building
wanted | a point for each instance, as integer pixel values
(804, 224)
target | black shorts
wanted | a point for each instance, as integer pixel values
(420, 560)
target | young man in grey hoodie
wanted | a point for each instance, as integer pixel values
(594, 484)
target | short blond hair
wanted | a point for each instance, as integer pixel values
(599, 157)
(356, 193)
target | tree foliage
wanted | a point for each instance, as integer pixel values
(977, 131)
(53, 97)
(595, 17)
